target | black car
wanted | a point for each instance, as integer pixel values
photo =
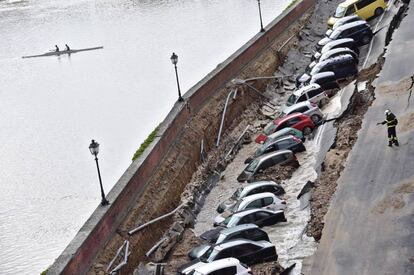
(327, 81)
(290, 142)
(339, 43)
(343, 66)
(245, 231)
(360, 31)
(246, 251)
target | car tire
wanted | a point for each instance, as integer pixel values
(378, 11)
(307, 131)
(315, 119)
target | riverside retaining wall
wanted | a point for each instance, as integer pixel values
(102, 229)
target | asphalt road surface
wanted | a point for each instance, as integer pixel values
(369, 228)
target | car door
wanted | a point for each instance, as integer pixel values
(302, 98)
(254, 204)
(225, 253)
(255, 234)
(264, 165)
(230, 270)
(250, 218)
(293, 122)
(271, 148)
(264, 218)
(284, 144)
(246, 253)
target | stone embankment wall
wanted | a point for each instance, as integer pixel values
(153, 183)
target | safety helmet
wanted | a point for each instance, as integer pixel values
(387, 112)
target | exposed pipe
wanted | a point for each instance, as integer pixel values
(223, 115)
(155, 246)
(237, 141)
(133, 231)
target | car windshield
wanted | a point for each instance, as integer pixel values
(237, 194)
(340, 12)
(270, 128)
(292, 99)
(231, 221)
(221, 238)
(252, 166)
(261, 150)
(206, 255)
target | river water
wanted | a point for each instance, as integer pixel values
(51, 107)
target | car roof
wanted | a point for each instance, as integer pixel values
(272, 154)
(238, 228)
(218, 264)
(347, 18)
(296, 105)
(337, 50)
(283, 119)
(258, 196)
(347, 3)
(306, 88)
(323, 74)
(236, 242)
(283, 131)
(351, 25)
(333, 43)
(252, 186)
(333, 60)
(245, 212)
(281, 139)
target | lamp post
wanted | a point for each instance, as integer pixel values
(174, 61)
(94, 148)
(260, 14)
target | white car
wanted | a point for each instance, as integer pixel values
(223, 266)
(307, 108)
(261, 200)
(312, 92)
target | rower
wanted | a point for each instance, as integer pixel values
(67, 47)
(56, 48)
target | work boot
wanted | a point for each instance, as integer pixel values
(396, 143)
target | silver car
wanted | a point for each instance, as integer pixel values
(307, 108)
(251, 189)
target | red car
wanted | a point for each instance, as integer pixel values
(298, 121)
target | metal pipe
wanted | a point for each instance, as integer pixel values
(222, 117)
(155, 246)
(237, 141)
(133, 231)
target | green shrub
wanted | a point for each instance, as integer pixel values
(291, 4)
(145, 144)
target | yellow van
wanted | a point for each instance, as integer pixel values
(363, 8)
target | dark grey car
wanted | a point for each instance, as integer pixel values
(245, 231)
(290, 142)
(259, 164)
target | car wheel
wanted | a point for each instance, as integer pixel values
(315, 119)
(307, 131)
(379, 11)
(366, 39)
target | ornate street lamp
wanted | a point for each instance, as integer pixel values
(260, 14)
(94, 148)
(174, 61)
